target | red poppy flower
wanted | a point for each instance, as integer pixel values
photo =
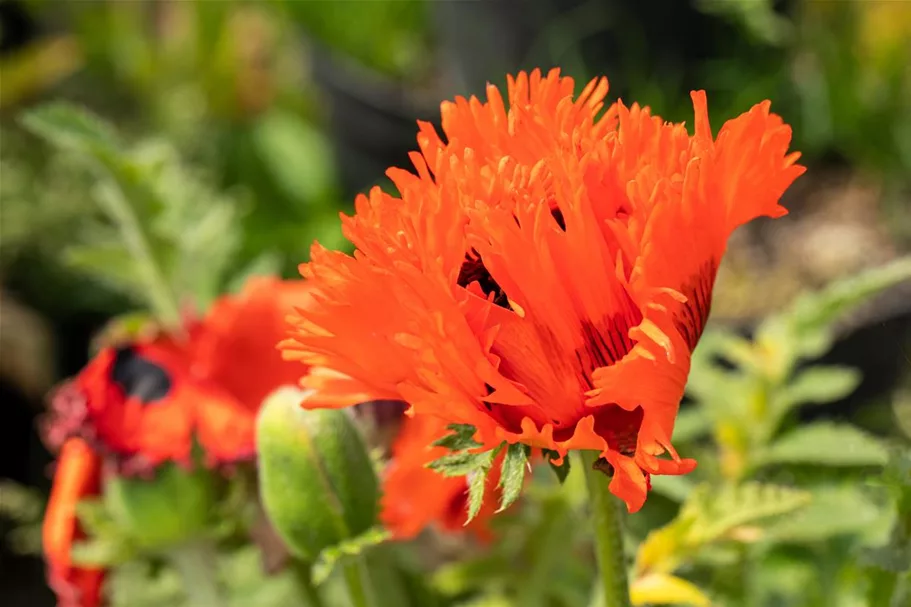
(545, 271)
(78, 476)
(147, 401)
(415, 497)
(144, 403)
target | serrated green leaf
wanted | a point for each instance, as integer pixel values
(332, 556)
(826, 443)
(561, 470)
(833, 511)
(477, 480)
(71, 127)
(461, 437)
(462, 463)
(512, 474)
(748, 504)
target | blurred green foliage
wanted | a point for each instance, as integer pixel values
(188, 149)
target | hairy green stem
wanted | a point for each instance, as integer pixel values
(606, 516)
(197, 565)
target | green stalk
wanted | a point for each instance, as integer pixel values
(197, 565)
(162, 299)
(304, 578)
(359, 590)
(606, 516)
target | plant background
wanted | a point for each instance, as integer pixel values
(254, 123)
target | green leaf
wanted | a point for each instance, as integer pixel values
(833, 511)
(806, 329)
(332, 556)
(691, 423)
(828, 444)
(665, 589)
(512, 474)
(461, 438)
(107, 263)
(297, 155)
(749, 504)
(101, 552)
(71, 127)
(894, 557)
(477, 480)
(818, 385)
(96, 520)
(561, 470)
(19, 503)
(677, 488)
(462, 463)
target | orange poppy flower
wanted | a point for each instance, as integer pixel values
(415, 497)
(545, 271)
(143, 403)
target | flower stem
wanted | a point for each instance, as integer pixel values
(197, 565)
(606, 516)
(359, 591)
(304, 578)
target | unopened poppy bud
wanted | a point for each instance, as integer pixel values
(317, 481)
(171, 508)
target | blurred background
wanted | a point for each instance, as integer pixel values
(281, 111)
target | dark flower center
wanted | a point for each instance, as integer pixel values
(139, 377)
(473, 270)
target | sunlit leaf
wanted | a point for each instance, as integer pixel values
(665, 589)
(711, 515)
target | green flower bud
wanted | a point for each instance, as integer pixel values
(173, 507)
(317, 481)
